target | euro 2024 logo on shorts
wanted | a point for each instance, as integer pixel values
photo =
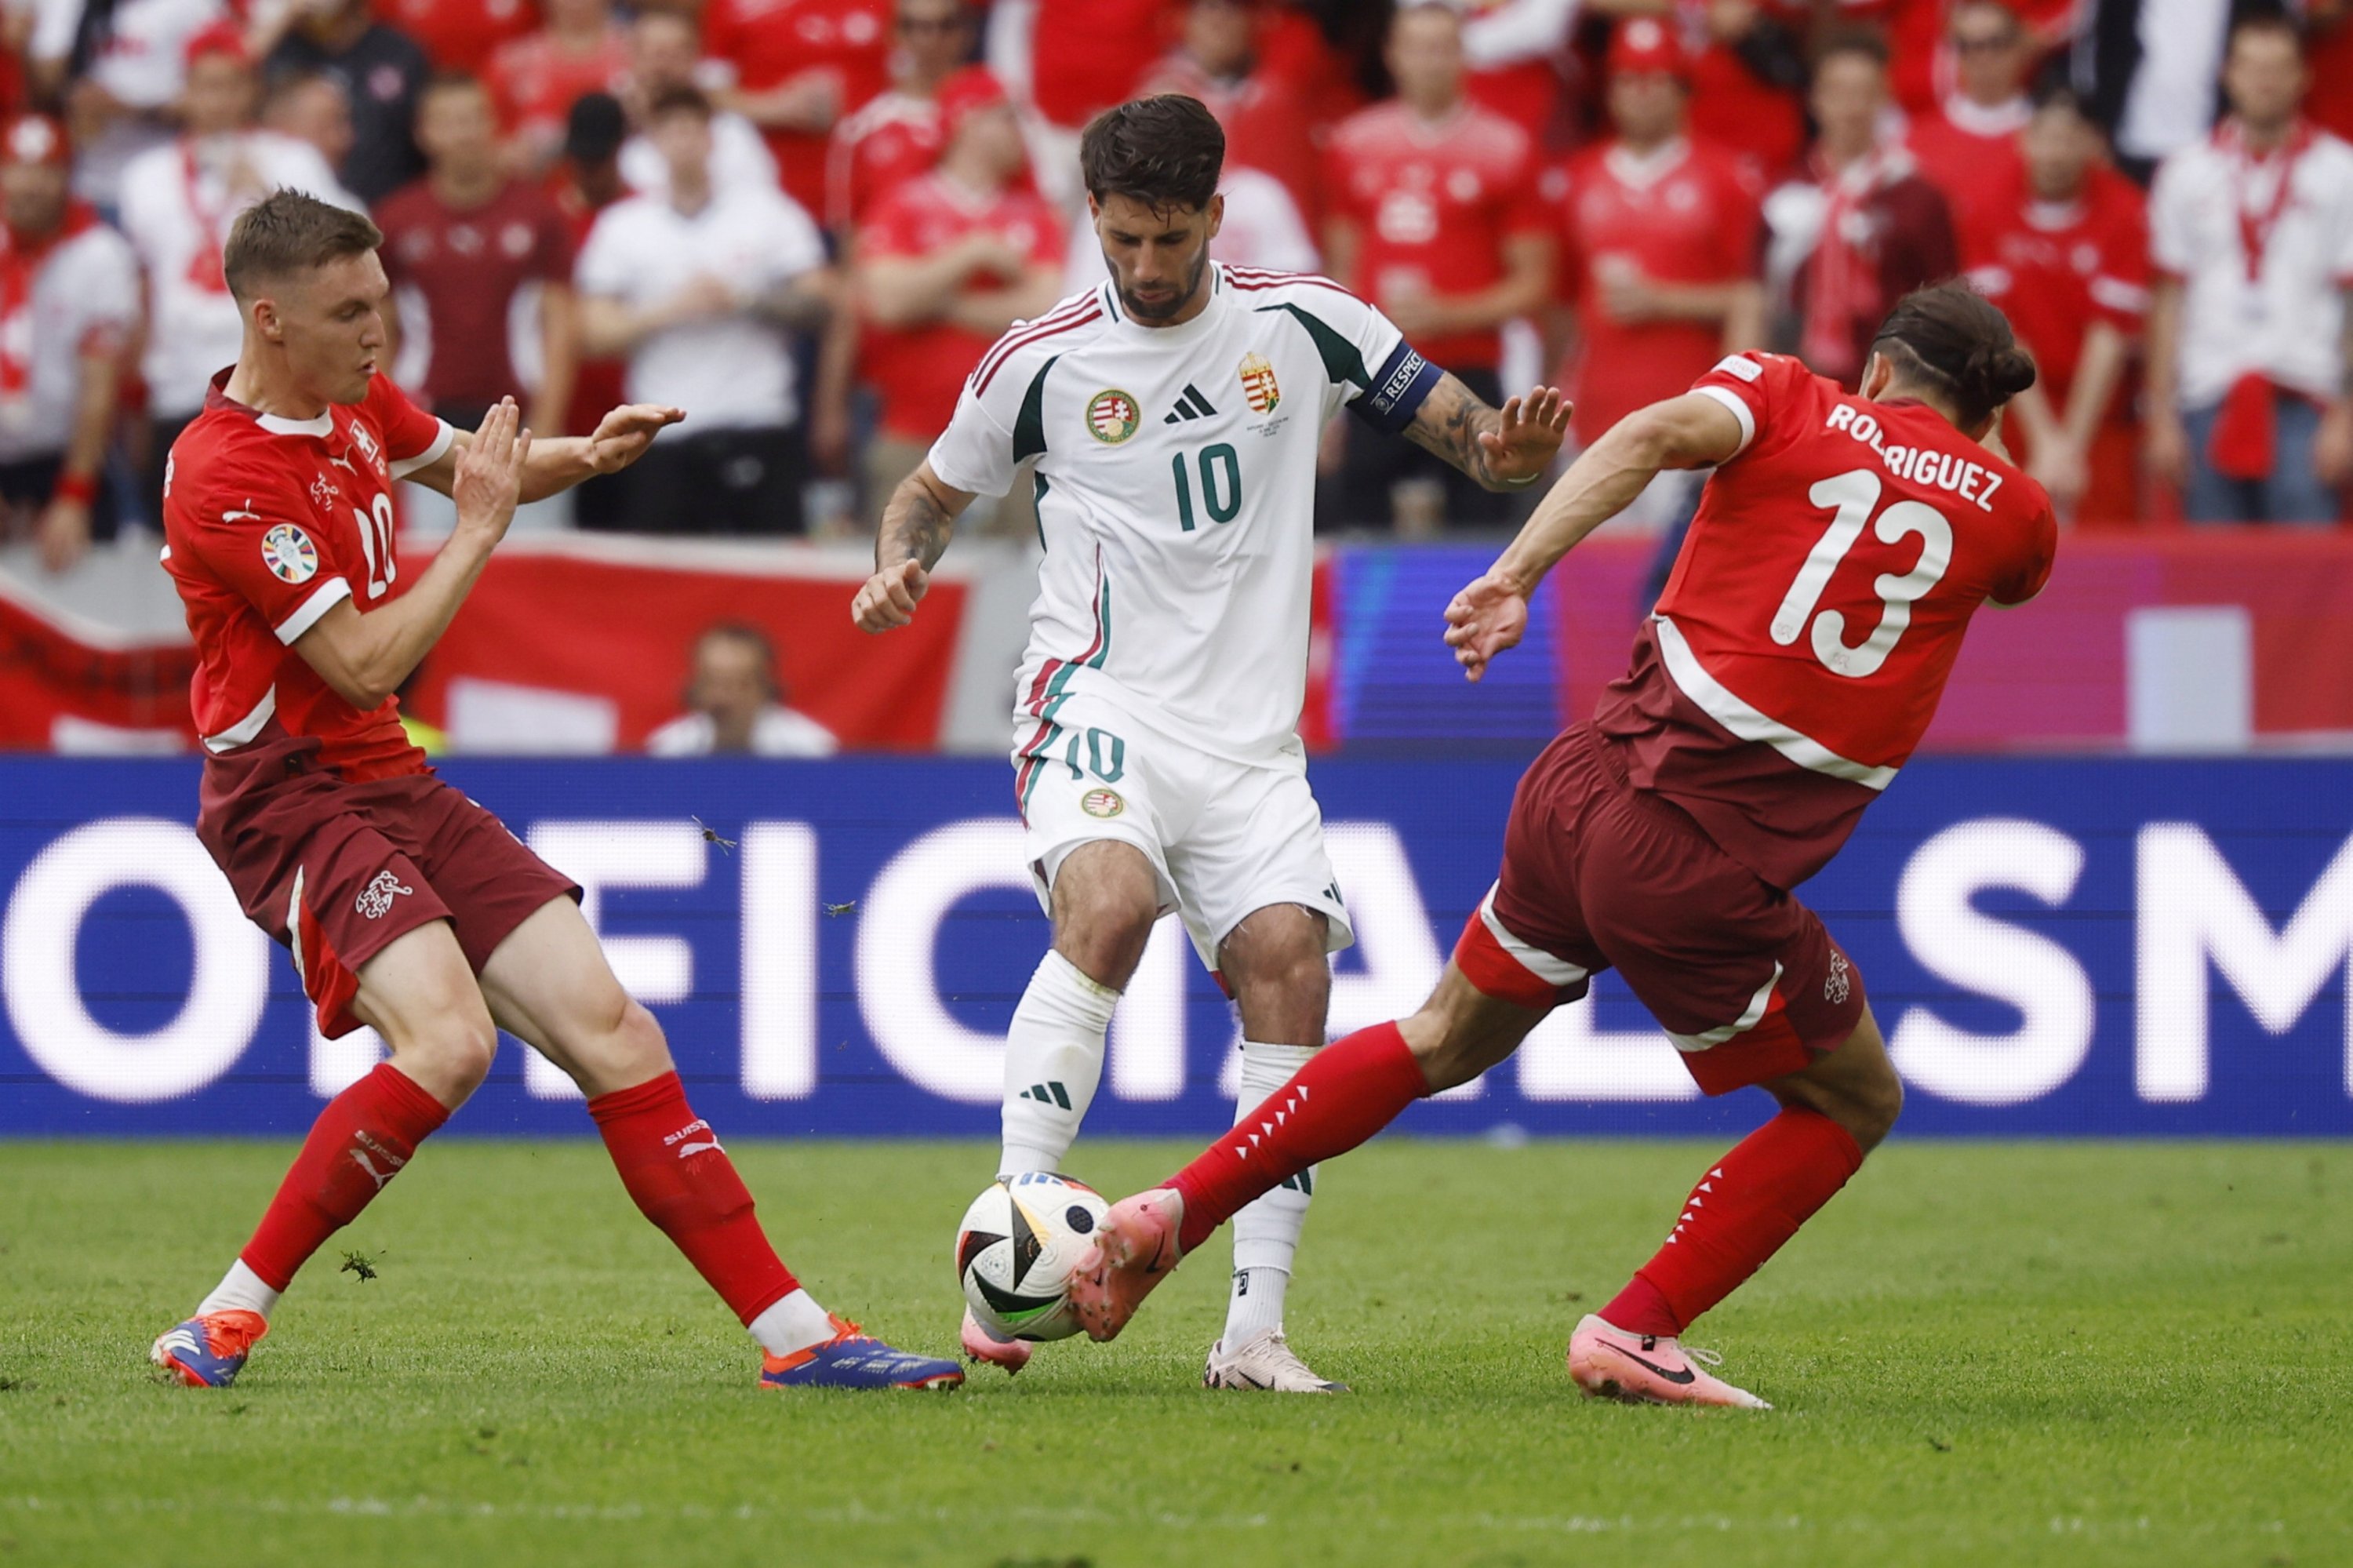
(1112, 416)
(289, 553)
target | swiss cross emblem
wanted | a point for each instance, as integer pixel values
(367, 443)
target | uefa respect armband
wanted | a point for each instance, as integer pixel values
(1397, 392)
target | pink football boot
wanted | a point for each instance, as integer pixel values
(983, 1346)
(1646, 1368)
(1135, 1249)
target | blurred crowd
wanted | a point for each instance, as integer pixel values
(804, 220)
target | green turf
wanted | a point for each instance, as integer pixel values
(1982, 1353)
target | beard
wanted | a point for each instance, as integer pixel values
(1161, 311)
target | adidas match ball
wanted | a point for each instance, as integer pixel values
(1016, 1249)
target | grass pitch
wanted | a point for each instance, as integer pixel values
(1982, 1353)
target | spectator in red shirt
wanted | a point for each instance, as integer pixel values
(460, 35)
(1436, 218)
(1749, 83)
(1087, 55)
(1865, 229)
(458, 246)
(1660, 240)
(945, 264)
(1968, 147)
(537, 77)
(1516, 50)
(800, 66)
(2068, 263)
(1264, 122)
(898, 134)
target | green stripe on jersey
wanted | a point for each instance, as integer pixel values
(1030, 425)
(1341, 360)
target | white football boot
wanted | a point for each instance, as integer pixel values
(1265, 1362)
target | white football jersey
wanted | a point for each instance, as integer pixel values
(1176, 485)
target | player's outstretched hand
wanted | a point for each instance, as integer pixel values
(623, 435)
(1484, 618)
(1529, 434)
(489, 480)
(889, 598)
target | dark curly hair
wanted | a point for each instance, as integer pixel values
(1951, 337)
(1164, 152)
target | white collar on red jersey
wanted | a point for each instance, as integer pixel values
(1429, 131)
(1989, 120)
(1629, 167)
(2052, 217)
(321, 424)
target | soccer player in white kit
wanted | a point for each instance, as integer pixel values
(1174, 413)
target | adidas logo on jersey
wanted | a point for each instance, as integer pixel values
(1191, 405)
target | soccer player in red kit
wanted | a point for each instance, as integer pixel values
(405, 906)
(1792, 664)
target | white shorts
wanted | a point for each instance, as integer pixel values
(1225, 839)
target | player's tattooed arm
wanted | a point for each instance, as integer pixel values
(1503, 448)
(914, 535)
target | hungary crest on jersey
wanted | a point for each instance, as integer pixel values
(1112, 417)
(1259, 384)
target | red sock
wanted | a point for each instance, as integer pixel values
(1346, 1093)
(1742, 1212)
(671, 1161)
(359, 1143)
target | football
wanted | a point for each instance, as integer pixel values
(1016, 1249)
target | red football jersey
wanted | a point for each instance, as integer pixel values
(921, 370)
(1970, 155)
(268, 524)
(1799, 652)
(892, 140)
(1087, 55)
(1684, 213)
(467, 266)
(460, 35)
(535, 84)
(771, 42)
(1432, 204)
(2055, 267)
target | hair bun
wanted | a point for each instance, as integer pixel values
(1998, 372)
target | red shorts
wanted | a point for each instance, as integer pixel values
(1600, 874)
(335, 870)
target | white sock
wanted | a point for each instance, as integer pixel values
(1266, 1230)
(240, 1290)
(794, 1323)
(1257, 1304)
(1053, 1060)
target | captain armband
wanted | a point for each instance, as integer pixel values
(1397, 392)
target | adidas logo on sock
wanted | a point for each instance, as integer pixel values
(1304, 1183)
(1052, 1094)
